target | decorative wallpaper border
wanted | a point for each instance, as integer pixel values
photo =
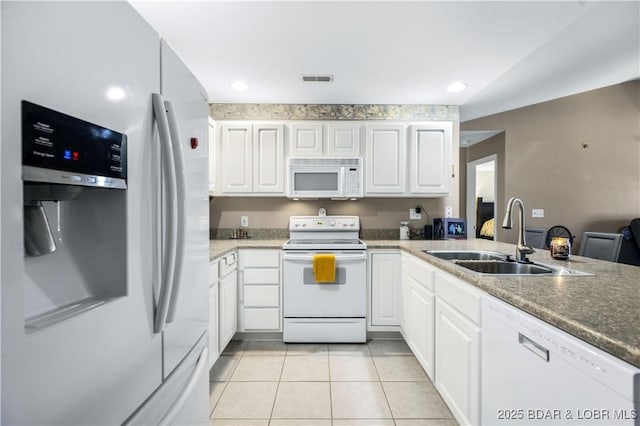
(333, 112)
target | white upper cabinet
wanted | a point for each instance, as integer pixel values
(268, 158)
(252, 159)
(385, 159)
(236, 159)
(430, 158)
(306, 140)
(343, 139)
(334, 139)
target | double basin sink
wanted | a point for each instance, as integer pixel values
(496, 263)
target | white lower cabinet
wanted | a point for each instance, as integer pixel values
(228, 299)
(457, 346)
(214, 348)
(385, 290)
(418, 310)
(260, 293)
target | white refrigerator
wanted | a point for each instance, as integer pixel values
(107, 323)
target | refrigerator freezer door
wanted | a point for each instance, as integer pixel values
(189, 309)
(98, 366)
(183, 397)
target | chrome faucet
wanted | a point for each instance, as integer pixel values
(522, 248)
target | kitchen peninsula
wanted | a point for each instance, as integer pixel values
(598, 309)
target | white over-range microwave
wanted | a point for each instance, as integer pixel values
(325, 177)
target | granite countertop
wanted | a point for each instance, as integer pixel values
(603, 309)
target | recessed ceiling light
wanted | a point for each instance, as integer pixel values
(115, 93)
(240, 86)
(456, 87)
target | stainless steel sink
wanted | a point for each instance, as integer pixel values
(500, 267)
(495, 263)
(467, 254)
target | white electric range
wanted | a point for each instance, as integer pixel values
(324, 312)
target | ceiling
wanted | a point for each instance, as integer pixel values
(510, 54)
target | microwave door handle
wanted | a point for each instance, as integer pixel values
(343, 182)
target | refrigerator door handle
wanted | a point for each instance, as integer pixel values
(181, 217)
(177, 406)
(169, 249)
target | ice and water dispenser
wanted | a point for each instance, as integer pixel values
(75, 214)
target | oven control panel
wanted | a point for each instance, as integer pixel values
(324, 223)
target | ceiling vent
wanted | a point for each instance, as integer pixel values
(317, 78)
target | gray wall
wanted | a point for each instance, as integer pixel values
(586, 189)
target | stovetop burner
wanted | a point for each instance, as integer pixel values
(324, 233)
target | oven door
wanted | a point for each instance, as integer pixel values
(344, 298)
(316, 182)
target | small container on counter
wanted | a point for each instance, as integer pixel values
(404, 230)
(560, 248)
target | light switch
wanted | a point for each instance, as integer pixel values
(244, 221)
(537, 212)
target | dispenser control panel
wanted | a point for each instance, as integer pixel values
(58, 148)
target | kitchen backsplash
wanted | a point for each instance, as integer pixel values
(332, 112)
(269, 217)
(283, 234)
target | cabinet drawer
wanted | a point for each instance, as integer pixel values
(261, 276)
(460, 295)
(213, 273)
(228, 263)
(420, 271)
(260, 258)
(261, 295)
(261, 319)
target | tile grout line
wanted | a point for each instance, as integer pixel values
(393, 419)
(226, 382)
(275, 397)
(330, 393)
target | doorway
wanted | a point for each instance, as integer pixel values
(482, 192)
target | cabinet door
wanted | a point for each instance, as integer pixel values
(385, 147)
(236, 158)
(268, 158)
(419, 324)
(418, 307)
(306, 139)
(212, 157)
(213, 324)
(457, 363)
(228, 308)
(430, 158)
(343, 139)
(386, 289)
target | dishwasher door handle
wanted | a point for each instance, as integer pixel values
(534, 347)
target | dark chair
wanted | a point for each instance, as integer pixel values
(536, 237)
(601, 245)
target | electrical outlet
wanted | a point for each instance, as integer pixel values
(413, 215)
(448, 211)
(537, 212)
(244, 221)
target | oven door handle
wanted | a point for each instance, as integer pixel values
(308, 257)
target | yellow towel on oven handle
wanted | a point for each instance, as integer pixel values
(324, 267)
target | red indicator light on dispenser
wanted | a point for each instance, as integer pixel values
(75, 155)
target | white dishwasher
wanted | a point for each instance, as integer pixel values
(533, 373)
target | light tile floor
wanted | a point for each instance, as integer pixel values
(271, 383)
